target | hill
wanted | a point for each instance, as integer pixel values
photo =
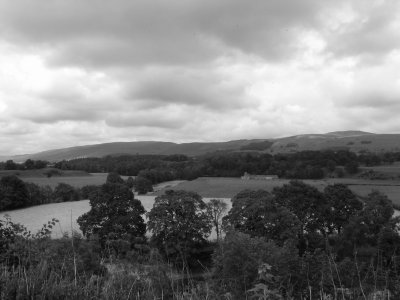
(356, 141)
(120, 148)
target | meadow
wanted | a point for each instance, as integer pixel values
(76, 181)
(228, 187)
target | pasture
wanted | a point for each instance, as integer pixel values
(75, 181)
(228, 187)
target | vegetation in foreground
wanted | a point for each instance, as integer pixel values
(295, 242)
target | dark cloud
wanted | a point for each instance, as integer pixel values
(97, 33)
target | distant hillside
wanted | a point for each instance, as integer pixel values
(356, 141)
(100, 150)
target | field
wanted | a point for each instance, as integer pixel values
(228, 187)
(208, 187)
(43, 173)
(67, 213)
(76, 181)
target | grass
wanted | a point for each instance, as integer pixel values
(229, 187)
(75, 181)
(39, 173)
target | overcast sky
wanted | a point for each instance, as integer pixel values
(76, 72)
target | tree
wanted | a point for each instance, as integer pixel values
(65, 192)
(258, 214)
(217, 208)
(180, 224)
(113, 177)
(130, 182)
(29, 164)
(238, 260)
(114, 213)
(13, 193)
(311, 209)
(10, 165)
(343, 203)
(378, 211)
(306, 202)
(351, 167)
(369, 227)
(142, 185)
(89, 191)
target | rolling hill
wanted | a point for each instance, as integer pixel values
(356, 141)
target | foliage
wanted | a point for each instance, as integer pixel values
(142, 185)
(240, 256)
(29, 164)
(180, 223)
(217, 208)
(343, 204)
(130, 182)
(13, 193)
(114, 213)
(89, 191)
(65, 192)
(307, 203)
(297, 165)
(113, 177)
(258, 214)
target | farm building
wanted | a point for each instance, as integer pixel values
(248, 176)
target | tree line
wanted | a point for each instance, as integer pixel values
(294, 242)
(29, 164)
(300, 165)
(15, 193)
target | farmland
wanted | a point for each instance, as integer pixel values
(228, 187)
(76, 181)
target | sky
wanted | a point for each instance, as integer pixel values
(76, 72)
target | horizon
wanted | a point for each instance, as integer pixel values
(193, 142)
(77, 73)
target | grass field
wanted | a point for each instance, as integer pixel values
(75, 181)
(228, 187)
(43, 173)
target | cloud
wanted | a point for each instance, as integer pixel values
(99, 34)
(370, 31)
(79, 72)
(207, 87)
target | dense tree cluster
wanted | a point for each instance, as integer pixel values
(298, 165)
(301, 234)
(180, 224)
(159, 168)
(29, 164)
(15, 193)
